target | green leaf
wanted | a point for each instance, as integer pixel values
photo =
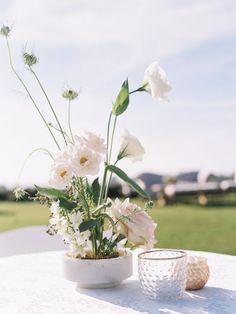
(52, 193)
(122, 100)
(87, 187)
(95, 190)
(67, 204)
(57, 195)
(85, 225)
(121, 174)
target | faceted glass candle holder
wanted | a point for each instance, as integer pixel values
(163, 274)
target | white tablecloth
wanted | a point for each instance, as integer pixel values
(33, 284)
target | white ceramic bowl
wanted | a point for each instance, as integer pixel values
(98, 273)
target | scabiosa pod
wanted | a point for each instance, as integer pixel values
(29, 59)
(5, 30)
(70, 94)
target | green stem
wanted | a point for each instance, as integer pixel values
(112, 140)
(69, 122)
(107, 158)
(28, 157)
(108, 135)
(140, 89)
(104, 189)
(58, 130)
(103, 186)
(85, 204)
(108, 184)
(49, 102)
(29, 94)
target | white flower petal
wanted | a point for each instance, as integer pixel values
(156, 82)
(131, 147)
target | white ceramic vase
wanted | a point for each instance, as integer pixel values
(98, 273)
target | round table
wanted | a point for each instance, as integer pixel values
(33, 284)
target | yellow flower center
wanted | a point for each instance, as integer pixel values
(62, 173)
(83, 160)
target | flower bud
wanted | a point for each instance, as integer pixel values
(70, 94)
(5, 30)
(29, 59)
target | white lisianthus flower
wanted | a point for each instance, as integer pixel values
(156, 83)
(93, 142)
(131, 147)
(64, 155)
(60, 175)
(85, 162)
(134, 223)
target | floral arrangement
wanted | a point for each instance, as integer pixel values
(93, 225)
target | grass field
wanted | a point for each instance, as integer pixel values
(179, 226)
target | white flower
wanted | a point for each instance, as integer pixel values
(55, 207)
(156, 82)
(93, 142)
(131, 147)
(64, 155)
(83, 237)
(60, 175)
(80, 243)
(134, 223)
(76, 250)
(76, 219)
(85, 162)
(60, 224)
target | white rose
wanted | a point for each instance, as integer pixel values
(156, 82)
(134, 223)
(85, 162)
(60, 175)
(93, 142)
(131, 147)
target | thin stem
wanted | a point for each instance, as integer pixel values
(108, 135)
(107, 158)
(112, 140)
(140, 89)
(69, 122)
(58, 130)
(28, 157)
(108, 184)
(94, 243)
(29, 94)
(83, 197)
(103, 186)
(49, 102)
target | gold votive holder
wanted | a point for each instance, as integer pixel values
(198, 272)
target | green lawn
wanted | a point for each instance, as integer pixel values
(179, 226)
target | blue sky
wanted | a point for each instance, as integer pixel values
(94, 45)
